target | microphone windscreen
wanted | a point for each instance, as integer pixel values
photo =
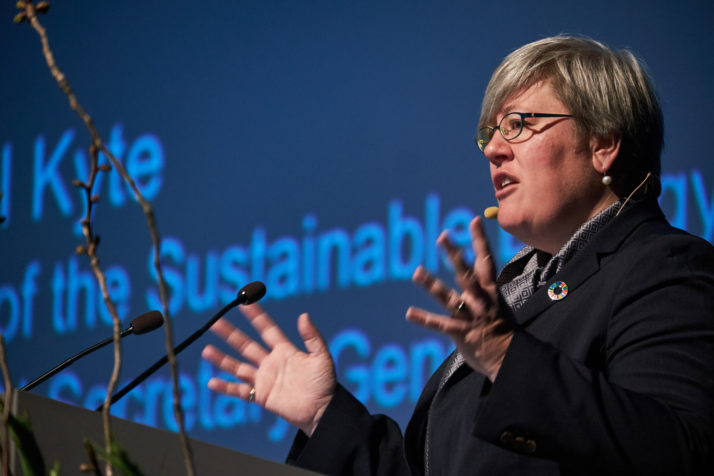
(147, 322)
(251, 292)
(491, 212)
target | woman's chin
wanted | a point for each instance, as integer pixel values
(514, 225)
(508, 220)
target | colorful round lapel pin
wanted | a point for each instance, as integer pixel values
(557, 291)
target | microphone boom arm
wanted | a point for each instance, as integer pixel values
(249, 294)
(147, 322)
(71, 360)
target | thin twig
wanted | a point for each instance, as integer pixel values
(96, 147)
(7, 406)
(91, 241)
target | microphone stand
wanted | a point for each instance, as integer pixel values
(146, 322)
(190, 340)
(69, 361)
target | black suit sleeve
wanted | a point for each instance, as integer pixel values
(350, 441)
(650, 408)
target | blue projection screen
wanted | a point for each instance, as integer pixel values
(319, 147)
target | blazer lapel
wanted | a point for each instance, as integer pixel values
(415, 434)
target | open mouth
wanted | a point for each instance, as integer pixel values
(502, 181)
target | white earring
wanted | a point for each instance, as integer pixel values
(606, 180)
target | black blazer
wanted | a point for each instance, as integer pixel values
(616, 378)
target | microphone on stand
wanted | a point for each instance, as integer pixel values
(250, 293)
(147, 322)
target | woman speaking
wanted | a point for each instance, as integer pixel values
(592, 352)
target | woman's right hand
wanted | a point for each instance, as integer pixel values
(294, 385)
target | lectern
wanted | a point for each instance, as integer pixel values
(60, 428)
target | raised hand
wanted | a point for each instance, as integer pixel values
(475, 321)
(293, 384)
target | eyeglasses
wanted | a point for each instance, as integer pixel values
(510, 127)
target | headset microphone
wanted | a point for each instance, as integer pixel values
(491, 213)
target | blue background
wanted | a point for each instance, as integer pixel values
(285, 123)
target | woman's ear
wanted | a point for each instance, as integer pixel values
(604, 151)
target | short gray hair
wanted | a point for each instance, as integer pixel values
(608, 92)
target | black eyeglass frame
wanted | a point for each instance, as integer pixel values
(485, 134)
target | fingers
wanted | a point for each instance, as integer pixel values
(451, 299)
(481, 247)
(475, 307)
(477, 283)
(243, 344)
(454, 253)
(484, 265)
(266, 327)
(434, 286)
(242, 370)
(314, 342)
(438, 322)
(483, 274)
(240, 390)
(464, 274)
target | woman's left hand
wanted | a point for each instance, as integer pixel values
(476, 323)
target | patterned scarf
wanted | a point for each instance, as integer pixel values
(530, 268)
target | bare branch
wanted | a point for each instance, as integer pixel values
(7, 405)
(97, 145)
